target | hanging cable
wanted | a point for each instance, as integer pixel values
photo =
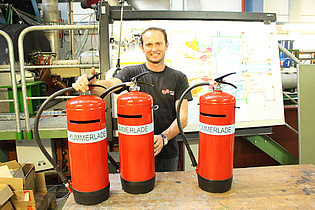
(92, 45)
(83, 42)
(31, 19)
(120, 35)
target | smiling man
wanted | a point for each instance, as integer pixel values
(169, 84)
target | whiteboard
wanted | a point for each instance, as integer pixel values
(205, 50)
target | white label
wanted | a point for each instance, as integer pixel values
(26, 196)
(135, 130)
(216, 129)
(87, 137)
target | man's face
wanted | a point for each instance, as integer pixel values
(154, 46)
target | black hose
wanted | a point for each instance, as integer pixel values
(95, 85)
(190, 153)
(115, 164)
(63, 178)
(113, 88)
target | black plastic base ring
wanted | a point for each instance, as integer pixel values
(215, 186)
(137, 187)
(91, 198)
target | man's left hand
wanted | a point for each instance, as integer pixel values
(158, 144)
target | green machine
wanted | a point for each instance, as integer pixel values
(33, 89)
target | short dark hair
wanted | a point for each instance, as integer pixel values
(153, 29)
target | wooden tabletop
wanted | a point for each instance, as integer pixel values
(283, 187)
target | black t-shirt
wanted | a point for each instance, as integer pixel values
(169, 85)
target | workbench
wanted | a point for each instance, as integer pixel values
(284, 187)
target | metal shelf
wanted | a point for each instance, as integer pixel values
(52, 124)
(49, 127)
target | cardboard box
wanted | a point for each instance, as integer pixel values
(25, 199)
(7, 206)
(29, 176)
(11, 169)
(27, 188)
(5, 193)
(23, 177)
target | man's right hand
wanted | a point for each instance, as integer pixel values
(82, 83)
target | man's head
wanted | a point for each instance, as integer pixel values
(154, 29)
(154, 44)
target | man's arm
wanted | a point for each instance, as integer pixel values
(82, 84)
(173, 130)
(97, 91)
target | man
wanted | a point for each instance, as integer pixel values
(169, 84)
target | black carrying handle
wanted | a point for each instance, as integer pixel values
(145, 83)
(133, 79)
(219, 80)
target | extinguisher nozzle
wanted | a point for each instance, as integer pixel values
(67, 185)
(196, 169)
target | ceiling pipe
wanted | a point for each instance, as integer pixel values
(50, 13)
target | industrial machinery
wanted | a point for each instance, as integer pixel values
(216, 137)
(89, 3)
(26, 147)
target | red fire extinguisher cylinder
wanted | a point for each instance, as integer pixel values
(87, 141)
(216, 141)
(136, 142)
(216, 137)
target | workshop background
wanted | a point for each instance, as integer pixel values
(70, 53)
